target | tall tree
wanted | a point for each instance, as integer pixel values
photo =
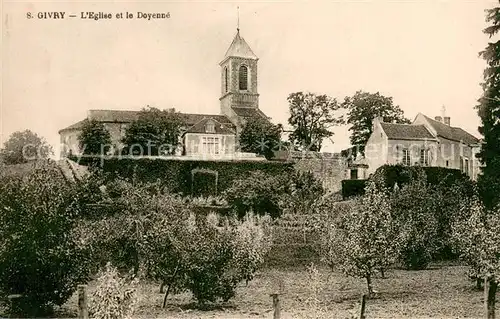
(94, 138)
(312, 116)
(24, 146)
(155, 132)
(362, 108)
(260, 136)
(489, 112)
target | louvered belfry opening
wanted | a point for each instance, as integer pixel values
(226, 82)
(243, 75)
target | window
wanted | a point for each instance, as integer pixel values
(424, 157)
(210, 128)
(461, 163)
(243, 74)
(210, 145)
(466, 167)
(226, 77)
(354, 173)
(406, 157)
(447, 163)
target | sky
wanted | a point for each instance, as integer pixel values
(422, 53)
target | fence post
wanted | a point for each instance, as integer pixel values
(276, 305)
(363, 306)
(83, 312)
(490, 289)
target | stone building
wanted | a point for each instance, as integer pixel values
(425, 142)
(203, 134)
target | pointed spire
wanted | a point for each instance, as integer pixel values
(240, 49)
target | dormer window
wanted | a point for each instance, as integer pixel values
(210, 128)
(243, 78)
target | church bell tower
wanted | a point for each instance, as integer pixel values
(238, 79)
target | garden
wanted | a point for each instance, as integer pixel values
(409, 246)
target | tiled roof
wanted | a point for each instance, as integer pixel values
(191, 119)
(113, 115)
(118, 116)
(76, 126)
(248, 112)
(406, 131)
(239, 48)
(452, 133)
(220, 128)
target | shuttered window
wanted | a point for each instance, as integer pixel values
(243, 75)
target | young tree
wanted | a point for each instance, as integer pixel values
(362, 108)
(477, 235)
(365, 240)
(24, 146)
(312, 116)
(94, 138)
(155, 132)
(39, 257)
(489, 112)
(260, 136)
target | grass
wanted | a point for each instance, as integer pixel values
(439, 292)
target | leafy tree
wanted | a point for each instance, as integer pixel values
(260, 136)
(311, 116)
(365, 239)
(24, 146)
(362, 108)
(489, 112)
(94, 138)
(39, 257)
(155, 132)
(414, 212)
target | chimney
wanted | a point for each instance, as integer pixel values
(90, 114)
(376, 119)
(439, 119)
(447, 120)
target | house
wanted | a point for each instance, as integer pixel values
(425, 142)
(203, 134)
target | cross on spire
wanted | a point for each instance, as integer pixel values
(238, 25)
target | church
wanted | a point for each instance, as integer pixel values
(212, 135)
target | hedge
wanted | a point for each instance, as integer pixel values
(353, 187)
(176, 175)
(389, 175)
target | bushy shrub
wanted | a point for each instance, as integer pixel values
(115, 296)
(39, 257)
(304, 192)
(353, 187)
(389, 175)
(258, 192)
(220, 256)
